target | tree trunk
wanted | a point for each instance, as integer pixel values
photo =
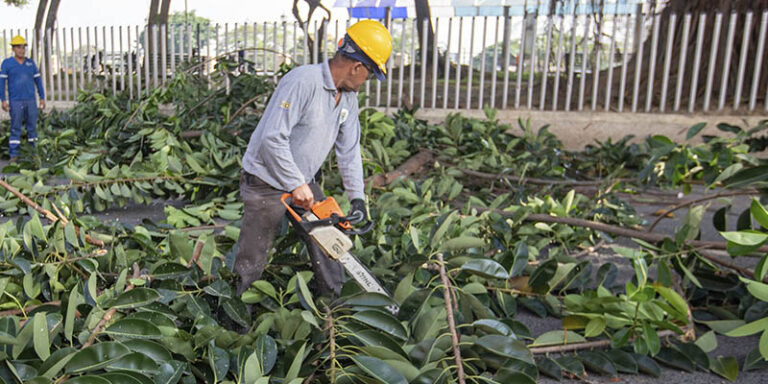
(423, 14)
(697, 8)
(305, 25)
(153, 8)
(40, 18)
(164, 9)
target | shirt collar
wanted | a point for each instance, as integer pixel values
(327, 78)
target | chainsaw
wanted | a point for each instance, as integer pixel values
(329, 228)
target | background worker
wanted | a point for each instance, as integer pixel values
(21, 75)
(313, 109)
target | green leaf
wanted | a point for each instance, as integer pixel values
(520, 259)
(265, 287)
(726, 367)
(759, 213)
(486, 268)
(120, 378)
(413, 231)
(442, 226)
(747, 237)
(461, 243)
(383, 322)
(673, 298)
(723, 326)
(252, 369)
(761, 268)
(598, 362)
(748, 176)
(293, 371)
(379, 370)
(88, 380)
(647, 365)
(757, 289)
(725, 127)
(133, 329)
(651, 338)
(694, 130)
(763, 346)
(134, 362)
(169, 270)
(754, 360)
(595, 327)
(151, 349)
(56, 362)
(511, 375)
(96, 356)
(266, 348)
(707, 342)
(571, 365)
(557, 338)
(720, 219)
(170, 372)
(304, 293)
(237, 311)
(492, 326)
(506, 346)
(40, 336)
(622, 361)
(137, 297)
(674, 359)
(693, 352)
(550, 368)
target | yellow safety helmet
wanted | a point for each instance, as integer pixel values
(374, 40)
(18, 40)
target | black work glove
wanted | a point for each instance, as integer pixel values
(356, 211)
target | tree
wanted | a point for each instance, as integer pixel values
(16, 3)
(423, 14)
(709, 8)
(320, 33)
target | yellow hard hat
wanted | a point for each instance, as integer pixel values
(18, 40)
(374, 40)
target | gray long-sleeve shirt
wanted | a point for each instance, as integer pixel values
(300, 126)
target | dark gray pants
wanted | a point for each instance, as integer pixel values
(261, 219)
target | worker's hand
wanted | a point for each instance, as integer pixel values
(42, 104)
(303, 197)
(356, 211)
(6, 107)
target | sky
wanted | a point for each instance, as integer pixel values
(131, 12)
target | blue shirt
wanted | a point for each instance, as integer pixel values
(300, 126)
(21, 78)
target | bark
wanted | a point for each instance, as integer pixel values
(697, 8)
(40, 18)
(423, 14)
(410, 166)
(153, 8)
(664, 9)
(305, 24)
(164, 9)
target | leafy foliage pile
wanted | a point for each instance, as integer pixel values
(156, 303)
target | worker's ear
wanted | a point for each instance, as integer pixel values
(357, 67)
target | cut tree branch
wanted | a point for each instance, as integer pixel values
(410, 166)
(688, 203)
(48, 214)
(451, 320)
(528, 180)
(587, 345)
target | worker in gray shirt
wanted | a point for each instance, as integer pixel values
(313, 110)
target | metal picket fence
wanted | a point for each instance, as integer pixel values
(569, 59)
